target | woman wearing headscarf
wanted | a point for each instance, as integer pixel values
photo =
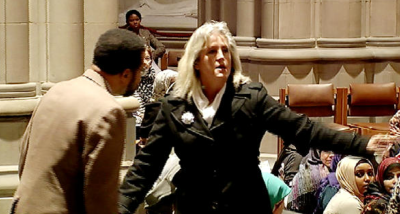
(277, 191)
(394, 202)
(354, 175)
(329, 186)
(163, 83)
(307, 180)
(379, 192)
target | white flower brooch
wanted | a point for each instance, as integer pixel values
(187, 118)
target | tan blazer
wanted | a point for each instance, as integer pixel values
(72, 149)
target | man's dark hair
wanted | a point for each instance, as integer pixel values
(129, 14)
(117, 50)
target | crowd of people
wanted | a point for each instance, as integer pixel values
(199, 133)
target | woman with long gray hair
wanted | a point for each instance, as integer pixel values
(215, 120)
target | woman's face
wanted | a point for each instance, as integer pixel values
(214, 62)
(390, 178)
(134, 21)
(326, 157)
(364, 175)
(146, 62)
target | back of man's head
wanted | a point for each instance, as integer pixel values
(117, 50)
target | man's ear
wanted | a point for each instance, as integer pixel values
(196, 65)
(126, 73)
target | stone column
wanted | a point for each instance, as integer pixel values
(245, 25)
(212, 10)
(98, 18)
(287, 24)
(383, 18)
(201, 12)
(341, 23)
(14, 41)
(228, 10)
(38, 37)
(65, 39)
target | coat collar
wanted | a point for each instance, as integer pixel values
(231, 102)
(97, 78)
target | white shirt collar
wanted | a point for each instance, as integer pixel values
(207, 110)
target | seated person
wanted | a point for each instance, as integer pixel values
(379, 192)
(394, 202)
(287, 164)
(163, 83)
(354, 175)
(328, 187)
(277, 191)
(145, 89)
(133, 20)
(314, 168)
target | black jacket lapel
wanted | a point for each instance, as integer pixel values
(231, 102)
(198, 126)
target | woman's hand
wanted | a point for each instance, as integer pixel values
(380, 145)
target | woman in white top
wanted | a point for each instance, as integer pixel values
(354, 175)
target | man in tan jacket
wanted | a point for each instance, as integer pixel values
(72, 147)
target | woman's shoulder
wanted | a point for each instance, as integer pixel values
(343, 202)
(250, 87)
(144, 31)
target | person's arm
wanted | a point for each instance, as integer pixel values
(303, 132)
(159, 47)
(147, 166)
(102, 154)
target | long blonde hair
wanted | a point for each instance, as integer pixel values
(188, 78)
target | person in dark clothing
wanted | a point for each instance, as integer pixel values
(287, 164)
(212, 112)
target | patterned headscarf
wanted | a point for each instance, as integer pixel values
(394, 203)
(394, 124)
(384, 166)
(162, 83)
(346, 177)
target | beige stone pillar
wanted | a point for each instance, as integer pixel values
(341, 23)
(245, 25)
(14, 41)
(65, 39)
(212, 10)
(228, 9)
(2, 41)
(201, 12)
(99, 17)
(38, 40)
(287, 24)
(340, 18)
(268, 17)
(384, 24)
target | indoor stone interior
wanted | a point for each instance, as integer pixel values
(43, 42)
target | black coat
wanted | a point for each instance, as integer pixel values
(219, 165)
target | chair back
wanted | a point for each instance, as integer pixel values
(377, 99)
(171, 59)
(314, 100)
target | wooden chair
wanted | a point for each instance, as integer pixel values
(372, 100)
(171, 59)
(316, 100)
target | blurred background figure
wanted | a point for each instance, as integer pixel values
(133, 19)
(144, 93)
